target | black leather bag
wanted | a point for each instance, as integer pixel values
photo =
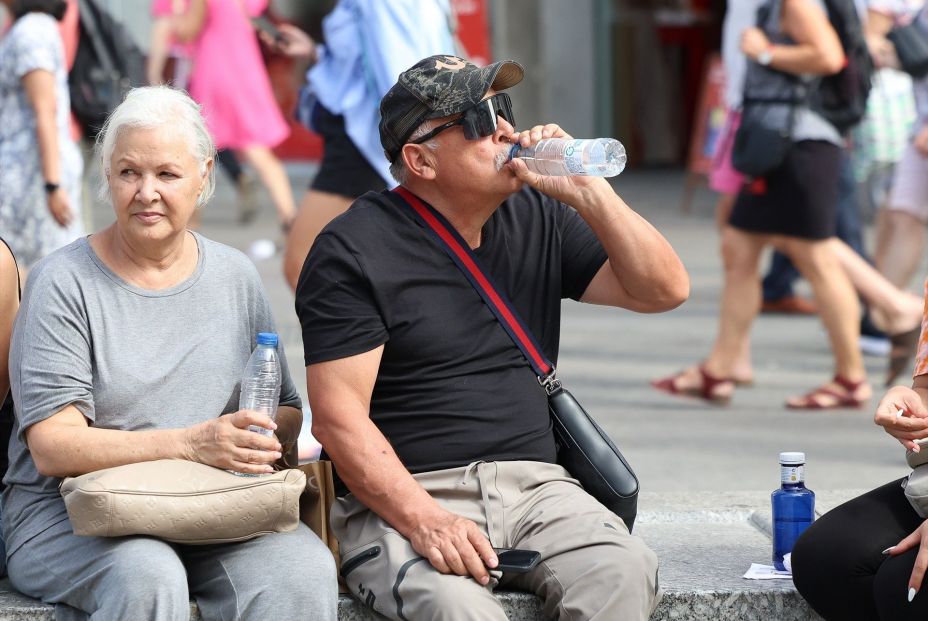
(911, 43)
(590, 456)
(758, 150)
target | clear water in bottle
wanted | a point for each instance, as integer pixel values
(261, 380)
(595, 157)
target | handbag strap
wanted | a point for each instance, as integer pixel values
(454, 245)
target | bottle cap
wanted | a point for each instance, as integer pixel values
(267, 338)
(792, 458)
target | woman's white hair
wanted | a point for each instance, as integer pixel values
(153, 107)
(398, 166)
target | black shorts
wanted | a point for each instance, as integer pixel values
(344, 170)
(800, 197)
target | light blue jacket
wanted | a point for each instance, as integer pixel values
(368, 43)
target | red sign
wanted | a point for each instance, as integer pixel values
(472, 29)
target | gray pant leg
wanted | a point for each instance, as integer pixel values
(109, 579)
(278, 576)
(382, 569)
(591, 567)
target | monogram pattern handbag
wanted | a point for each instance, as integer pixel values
(583, 448)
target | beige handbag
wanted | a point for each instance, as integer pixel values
(916, 484)
(182, 501)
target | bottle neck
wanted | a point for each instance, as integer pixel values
(792, 475)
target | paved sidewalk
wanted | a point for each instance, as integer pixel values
(608, 356)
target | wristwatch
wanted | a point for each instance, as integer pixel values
(765, 57)
(51, 188)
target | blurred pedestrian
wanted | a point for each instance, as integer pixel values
(724, 179)
(880, 139)
(792, 208)
(367, 44)
(170, 62)
(230, 81)
(40, 165)
(901, 236)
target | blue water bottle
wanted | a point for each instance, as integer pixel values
(793, 506)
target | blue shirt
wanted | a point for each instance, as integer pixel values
(368, 44)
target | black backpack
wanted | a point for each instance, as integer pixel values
(842, 97)
(107, 64)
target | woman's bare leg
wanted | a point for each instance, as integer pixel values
(741, 299)
(838, 305)
(900, 247)
(894, 310)
(275, 179)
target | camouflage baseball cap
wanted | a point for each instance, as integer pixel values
(434, 87)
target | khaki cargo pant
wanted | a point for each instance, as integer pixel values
(591, 567)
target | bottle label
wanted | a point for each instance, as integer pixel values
(792, 474)
(573, 157)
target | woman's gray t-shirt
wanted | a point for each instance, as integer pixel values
(127, 358)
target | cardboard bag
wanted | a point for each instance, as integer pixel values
(316, 502)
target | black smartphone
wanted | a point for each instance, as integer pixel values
(516, 561)
(265, 25)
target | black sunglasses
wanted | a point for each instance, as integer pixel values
(478, 121)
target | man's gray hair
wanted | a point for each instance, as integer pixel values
(398, 167)
(157, 107)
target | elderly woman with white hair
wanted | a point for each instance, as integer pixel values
(129, 347)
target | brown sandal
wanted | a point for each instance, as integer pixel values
(813, 400)
(707, 389)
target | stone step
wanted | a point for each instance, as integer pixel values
(705, 542)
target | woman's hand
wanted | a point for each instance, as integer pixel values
(911, 425)
(225, 442)
(293, 42)
(59, 207)
(918, 538)
(753, 42)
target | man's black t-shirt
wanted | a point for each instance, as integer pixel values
(452, 387)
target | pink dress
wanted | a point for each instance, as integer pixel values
(230, 81)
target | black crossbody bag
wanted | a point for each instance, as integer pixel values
(583, 448)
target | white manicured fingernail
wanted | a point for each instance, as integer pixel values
(911, 593)
(887, 550)
(916, 448)
(900, 412)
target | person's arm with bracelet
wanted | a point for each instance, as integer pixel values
(643, 273)
(39, 86)
(339, 396)
(817, 50)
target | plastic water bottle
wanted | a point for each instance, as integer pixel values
(261, 382)
(793, 506)
(594, 157)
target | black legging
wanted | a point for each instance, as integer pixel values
(838, 566)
